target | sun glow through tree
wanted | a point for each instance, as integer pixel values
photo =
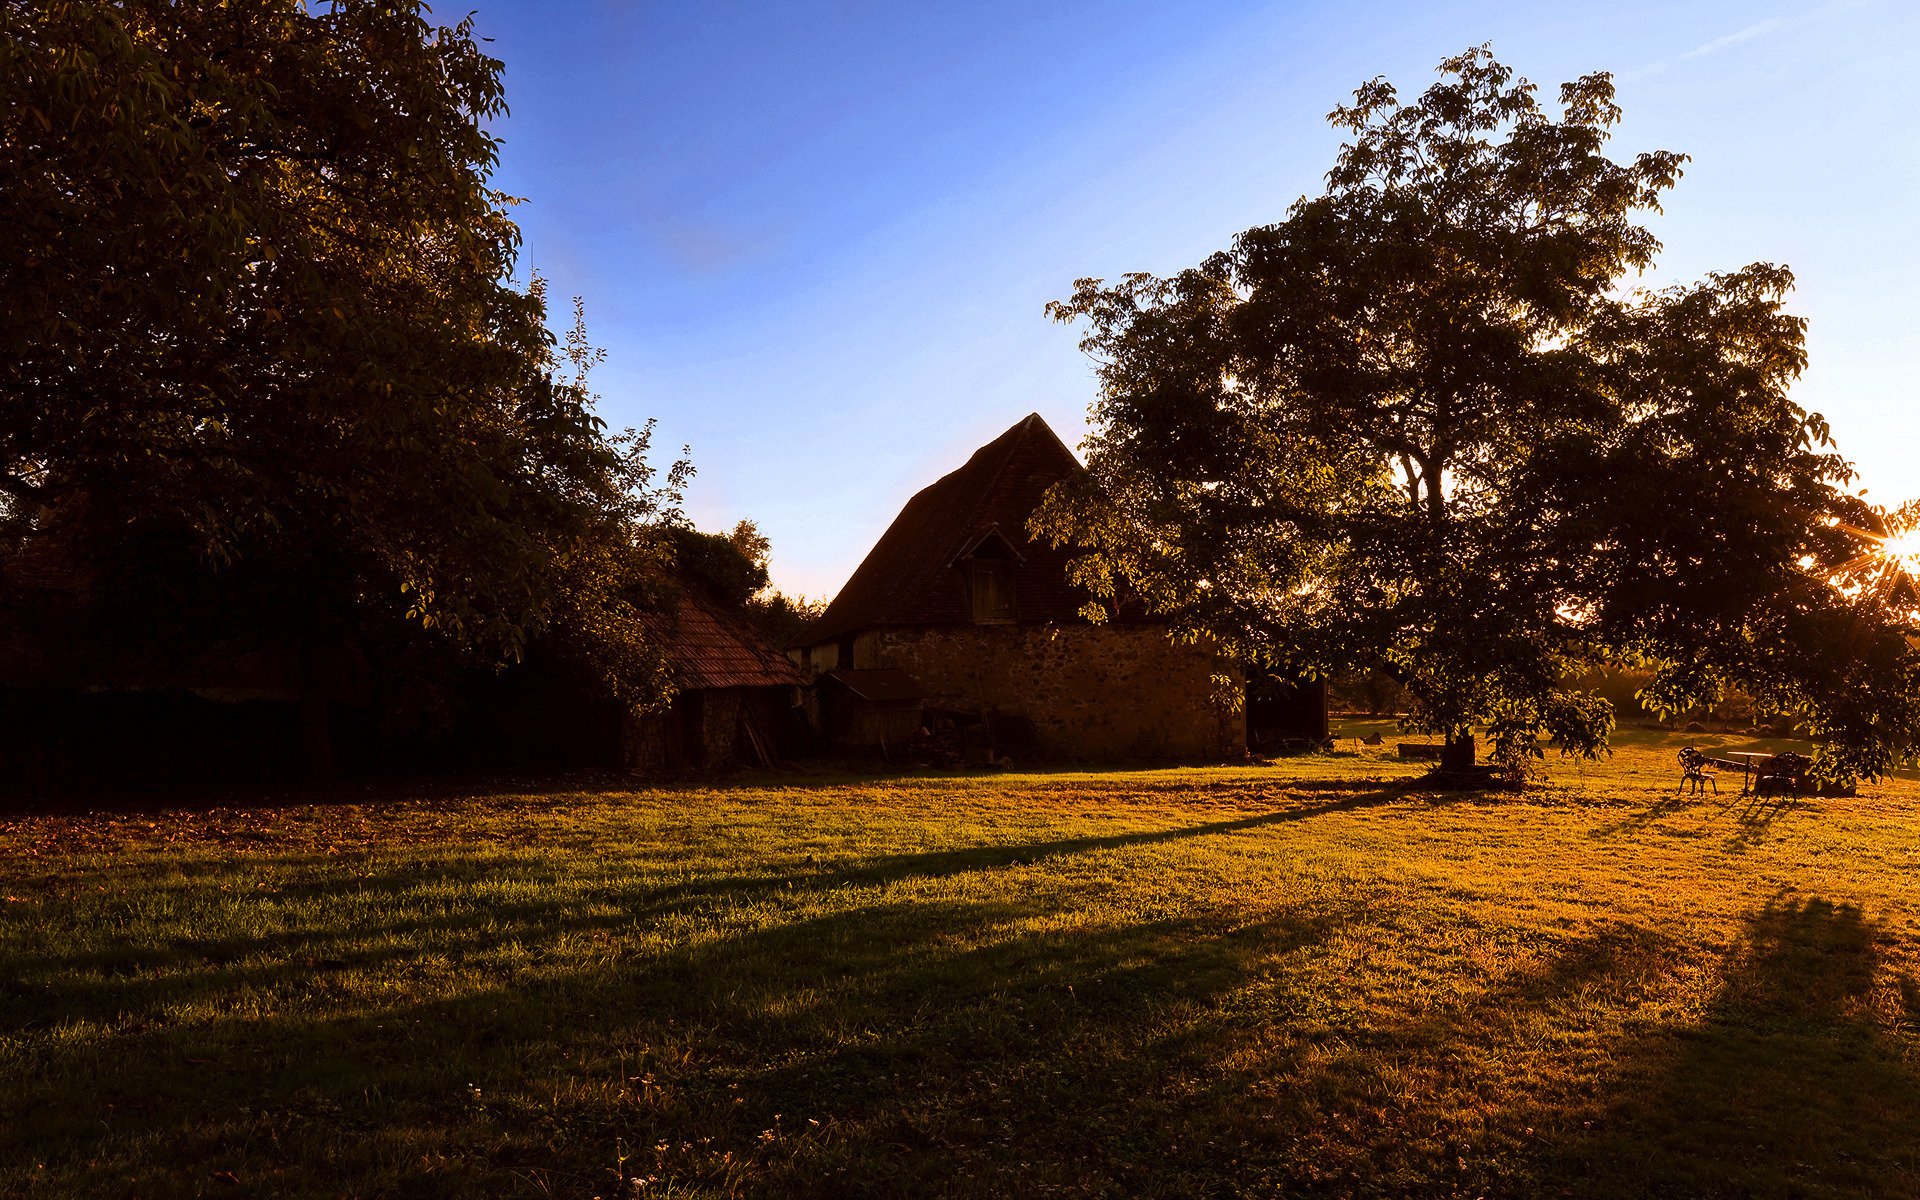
(1901, 550)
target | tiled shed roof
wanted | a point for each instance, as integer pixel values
(910, 577)
(709, 647)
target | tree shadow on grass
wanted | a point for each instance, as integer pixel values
(567, 787)
(1445, 1099)
(1789, 1086)
(799, 1055)
(96, 985)
(966, 1034)
(887, 868)
(1546, 1084)
(943, 1046)
(1751, 814)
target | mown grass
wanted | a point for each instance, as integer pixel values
(1311, 978)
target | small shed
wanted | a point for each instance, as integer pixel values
(872, 709)
(737, 695)
(95, 690)
(1285, 713)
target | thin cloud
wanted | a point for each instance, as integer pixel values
(1733, 39)
(1759, 29)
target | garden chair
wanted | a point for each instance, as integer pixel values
(1693, 770)
(1782, 773)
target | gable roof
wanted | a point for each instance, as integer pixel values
(709, 647)
(912, 575)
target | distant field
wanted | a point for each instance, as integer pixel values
(1311, 978)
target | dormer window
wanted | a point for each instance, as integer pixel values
(990, 582)
(989, 563)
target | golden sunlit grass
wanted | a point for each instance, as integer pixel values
(1311, 978)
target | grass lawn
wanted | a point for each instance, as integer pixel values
(1310, 978)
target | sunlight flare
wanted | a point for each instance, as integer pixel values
(1901, 550)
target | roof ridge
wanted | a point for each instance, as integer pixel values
(902, 578)
(1013, 437)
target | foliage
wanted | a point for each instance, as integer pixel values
(261, 367)
(1372, 691)
(1581, 722)
(616, 571)
(732, 567)
(1306, 979)
(1421, 425)
(783, 618)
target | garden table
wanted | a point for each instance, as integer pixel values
(1750, 763)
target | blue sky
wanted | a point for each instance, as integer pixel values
(816, 238)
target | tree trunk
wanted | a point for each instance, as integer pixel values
(1457, 754)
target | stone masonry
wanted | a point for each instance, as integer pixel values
(1102, 692)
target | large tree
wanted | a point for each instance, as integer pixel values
(1424, 423)
(262, 365)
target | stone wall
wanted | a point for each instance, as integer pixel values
(1098, 692)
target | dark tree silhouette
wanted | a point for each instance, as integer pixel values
(1422, 424)
(262, 369)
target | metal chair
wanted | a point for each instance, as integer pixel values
(1693, 770)
(1782, 773)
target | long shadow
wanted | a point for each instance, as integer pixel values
(984, 1042)
(1752, 813)
(97, 984)
(882, 1022)
(563, 787)
(890, 868)
(1007, 1051)
(1424, 1105)
(1789, 1086)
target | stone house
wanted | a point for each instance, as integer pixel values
(957, 602)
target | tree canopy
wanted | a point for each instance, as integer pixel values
(262, 364)
(1425, 423)
(732, 568)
